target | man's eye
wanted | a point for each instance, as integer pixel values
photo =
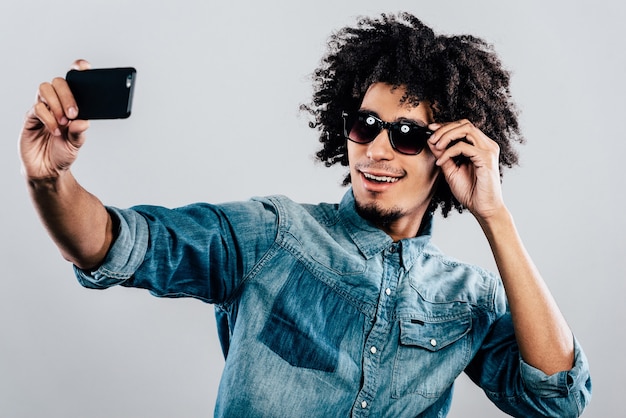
(405, 129)
(370, 120)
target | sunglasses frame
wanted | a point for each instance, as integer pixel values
(391, 127)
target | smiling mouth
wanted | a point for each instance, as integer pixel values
(380, 179)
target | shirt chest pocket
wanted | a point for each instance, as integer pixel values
(431, 354)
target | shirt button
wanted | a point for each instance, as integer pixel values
(433, 342)
(364, 404)
(373, 350)
(388, 291)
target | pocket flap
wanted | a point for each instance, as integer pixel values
(433, 336)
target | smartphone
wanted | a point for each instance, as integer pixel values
(103, 93)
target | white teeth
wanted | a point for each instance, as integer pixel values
(380, 179)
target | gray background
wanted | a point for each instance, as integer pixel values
(216, 119)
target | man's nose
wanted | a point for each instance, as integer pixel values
(380, 148)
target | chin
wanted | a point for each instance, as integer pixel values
(377, 214)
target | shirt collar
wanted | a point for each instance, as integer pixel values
(370, 239)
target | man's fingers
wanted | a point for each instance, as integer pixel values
(463, 131)
(460, 141)
(47, 95)
(47, 118)
(479, 157)
(66, 99)
(462, 151)
(452, 131)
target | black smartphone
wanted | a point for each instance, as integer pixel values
(103, 93)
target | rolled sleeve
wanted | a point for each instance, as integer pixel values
(574, 383)
(522, 390)
(125, 255)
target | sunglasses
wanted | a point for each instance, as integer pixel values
(405, 137)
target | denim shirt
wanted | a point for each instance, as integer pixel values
(320, 314)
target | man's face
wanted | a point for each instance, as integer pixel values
(391, 189)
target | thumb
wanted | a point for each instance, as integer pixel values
(80, 64)
(76, 132)
(434, 126)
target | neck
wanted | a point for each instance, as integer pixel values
(404, 228)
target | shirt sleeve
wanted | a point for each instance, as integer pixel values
(522, 390)
(125, 255)
(559, 384)
(202, 251)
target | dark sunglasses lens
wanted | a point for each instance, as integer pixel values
(363, 129)
(409, 138)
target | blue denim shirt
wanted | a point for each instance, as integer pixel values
(320, 314)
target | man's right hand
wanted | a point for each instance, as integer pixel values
(51, 136)
(75, 219)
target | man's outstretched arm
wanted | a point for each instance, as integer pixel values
(48, 146)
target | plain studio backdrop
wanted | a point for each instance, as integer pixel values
(216, 119)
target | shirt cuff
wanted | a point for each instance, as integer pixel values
(125, 255)
(561, 383)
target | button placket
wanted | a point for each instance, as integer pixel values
(380, 331)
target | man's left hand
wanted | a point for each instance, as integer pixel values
(469, 161)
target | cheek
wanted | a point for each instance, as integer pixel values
(426, 169)
(434, 172)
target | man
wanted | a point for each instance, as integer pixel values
(347, 309)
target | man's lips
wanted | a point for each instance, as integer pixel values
(378, 182)
(380, 178)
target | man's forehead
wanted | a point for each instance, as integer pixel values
(392, 102)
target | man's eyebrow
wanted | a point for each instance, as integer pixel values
(371, 112)
(418, 122)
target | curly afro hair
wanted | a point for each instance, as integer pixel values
(459, 76)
